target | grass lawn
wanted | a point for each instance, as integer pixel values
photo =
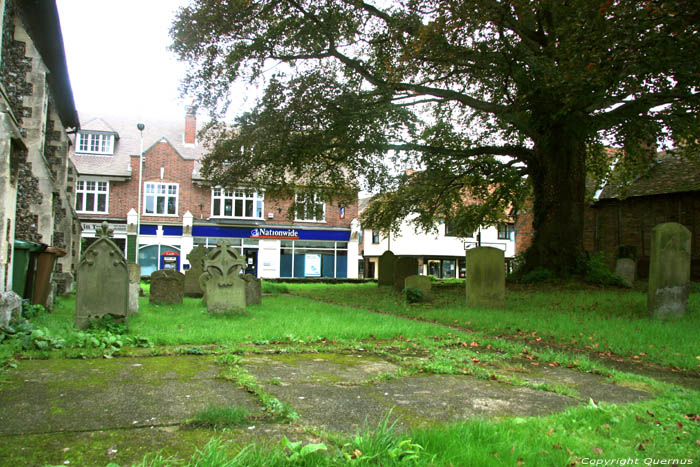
(336, 317)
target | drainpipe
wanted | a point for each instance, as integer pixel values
(140, 126)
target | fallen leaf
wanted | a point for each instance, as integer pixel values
(475, 360)
(598, 451)
(692, 416)
(474, 344)
(557, 446)
(549, 433)
(650, 414)
(641, 447)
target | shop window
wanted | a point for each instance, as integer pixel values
(160, 199)
(241, 204)
(310, 207)
(92, 196)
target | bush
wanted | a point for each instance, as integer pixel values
(593, 269)
(413, 295)
(29, 311)
(536, 275)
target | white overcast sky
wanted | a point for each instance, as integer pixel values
(118, 60)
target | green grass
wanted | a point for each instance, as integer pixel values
(592, 319)
(316, 315)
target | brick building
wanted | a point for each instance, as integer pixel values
(669, 192)
(36, 114)
(179, 209)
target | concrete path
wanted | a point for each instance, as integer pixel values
(97, 411)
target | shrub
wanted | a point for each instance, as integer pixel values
(538, 274)
(413, 295)
(29, 311)
(593, 269)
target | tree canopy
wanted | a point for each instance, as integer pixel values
(491, 97)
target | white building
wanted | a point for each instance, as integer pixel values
(439, 254)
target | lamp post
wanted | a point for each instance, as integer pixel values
(140, 126)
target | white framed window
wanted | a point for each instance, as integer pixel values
(237, 203)
(160, 199)
(95, 143)
(92, 196)
(311, 208)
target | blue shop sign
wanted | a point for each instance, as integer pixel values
(270, 233)
(168, 230)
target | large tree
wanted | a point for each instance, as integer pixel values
(477, 95)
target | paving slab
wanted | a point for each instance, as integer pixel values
(44, 396)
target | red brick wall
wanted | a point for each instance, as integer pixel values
(123, 196)
(610, 223)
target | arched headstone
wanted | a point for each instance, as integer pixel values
(405, 266)
(387, 265)
(103, 282)
(669, 270)
(486, 278)
(195, 258)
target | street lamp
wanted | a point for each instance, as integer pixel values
(140, 126)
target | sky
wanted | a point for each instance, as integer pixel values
(118, 60)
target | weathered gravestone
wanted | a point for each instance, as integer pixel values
(221, 281)
(10, 307)
(195, 258)
(626, 269)
(404, 267)
(387, 265)
(486, 278)
(134, 287)
(103, 282)
(167, 287)
(669, 270)
(253, 290)
(422, 283)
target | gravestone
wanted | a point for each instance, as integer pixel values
(404, 267)
(102, 286)
(486, 277)
(253, 290)
(10, 307)
(195, 257)
(221, 281)
(134, 287)
(625, 269)
(423, 283)
(167, 287)
(387, 265)
(669, 270)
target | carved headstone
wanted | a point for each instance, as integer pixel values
(625, 269)
(103, 282)
(167, 287)
(253, 290)
(669, 270)
(404, 267)
(423, 283)
(10, 307)
(195, 258)
(221, 281)
(486, 278)
(134, 287)
(387, 265)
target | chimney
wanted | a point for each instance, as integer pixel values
(190, 124)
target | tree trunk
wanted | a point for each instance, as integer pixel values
(558, 176)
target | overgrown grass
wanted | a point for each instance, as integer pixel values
(591, 319)
(220, 417)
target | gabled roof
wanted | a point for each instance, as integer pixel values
(129, 142)
(669, 174)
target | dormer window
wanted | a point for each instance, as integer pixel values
(94, 143)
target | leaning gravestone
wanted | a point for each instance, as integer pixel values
(103, 282)
(221, 281)
(669, 270)
(167, 287)
(422, 283)
(387, 265)
(10, 307)
(253, 290)
(195, 258)
(134, 287)
(625, 269)
(486, 278)
(404, 267)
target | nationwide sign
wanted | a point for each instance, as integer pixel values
(274, 233)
